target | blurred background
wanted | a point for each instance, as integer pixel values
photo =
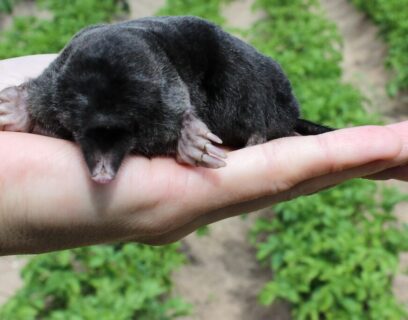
(337, 255)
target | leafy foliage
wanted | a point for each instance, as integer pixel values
(6, 6)
(101, 282)
(31, 35)
(333, 260)
(209, 9)
(392, 18)
(334, 253)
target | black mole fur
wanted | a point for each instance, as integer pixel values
(130, 84)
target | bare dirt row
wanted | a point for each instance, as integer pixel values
(222, 278)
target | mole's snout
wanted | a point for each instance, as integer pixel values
(103, 166)
(103, 170)
(104, 149)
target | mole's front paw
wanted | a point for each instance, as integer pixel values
(195, 145)
(13, 109)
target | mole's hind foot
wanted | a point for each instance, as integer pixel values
(13, 109)
(195, 144)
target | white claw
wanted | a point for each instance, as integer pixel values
(212, 162)
(211, 136)
(212, 150)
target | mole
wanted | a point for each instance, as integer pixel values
(158, 86)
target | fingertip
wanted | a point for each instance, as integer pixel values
(288, 161)
(378, 142)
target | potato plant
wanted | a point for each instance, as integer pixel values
(105, 282)
(333, 254)
(392, 18)
(6, 6)
(32, 35)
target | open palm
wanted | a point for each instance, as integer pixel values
(48, 202)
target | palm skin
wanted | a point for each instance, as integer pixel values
(48, 202)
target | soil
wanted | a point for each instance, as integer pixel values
(144, 8)
(364, 54)
(222, 278)
(25, 8)
(10, 276)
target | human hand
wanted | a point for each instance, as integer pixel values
(48, 202)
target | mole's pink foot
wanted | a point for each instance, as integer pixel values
(195, 144)
(13, 110)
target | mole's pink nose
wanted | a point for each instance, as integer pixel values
(102, 178)
(103, 172)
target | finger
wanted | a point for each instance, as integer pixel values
(401, 129)
(275, 167)
(158, 196)
(281, 164)
(399, 172)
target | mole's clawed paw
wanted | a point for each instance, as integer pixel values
(195, 145)
(13, 110)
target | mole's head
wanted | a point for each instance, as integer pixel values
(102, 107)
(105, 139)
(104, 145)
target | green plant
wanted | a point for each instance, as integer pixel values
(101, 282)
(31, 35)
(209, 10)
(333, 260)
(6, 6)
(392, 18)
(205, 9)
(333, 254)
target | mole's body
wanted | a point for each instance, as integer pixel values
(157, 86)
